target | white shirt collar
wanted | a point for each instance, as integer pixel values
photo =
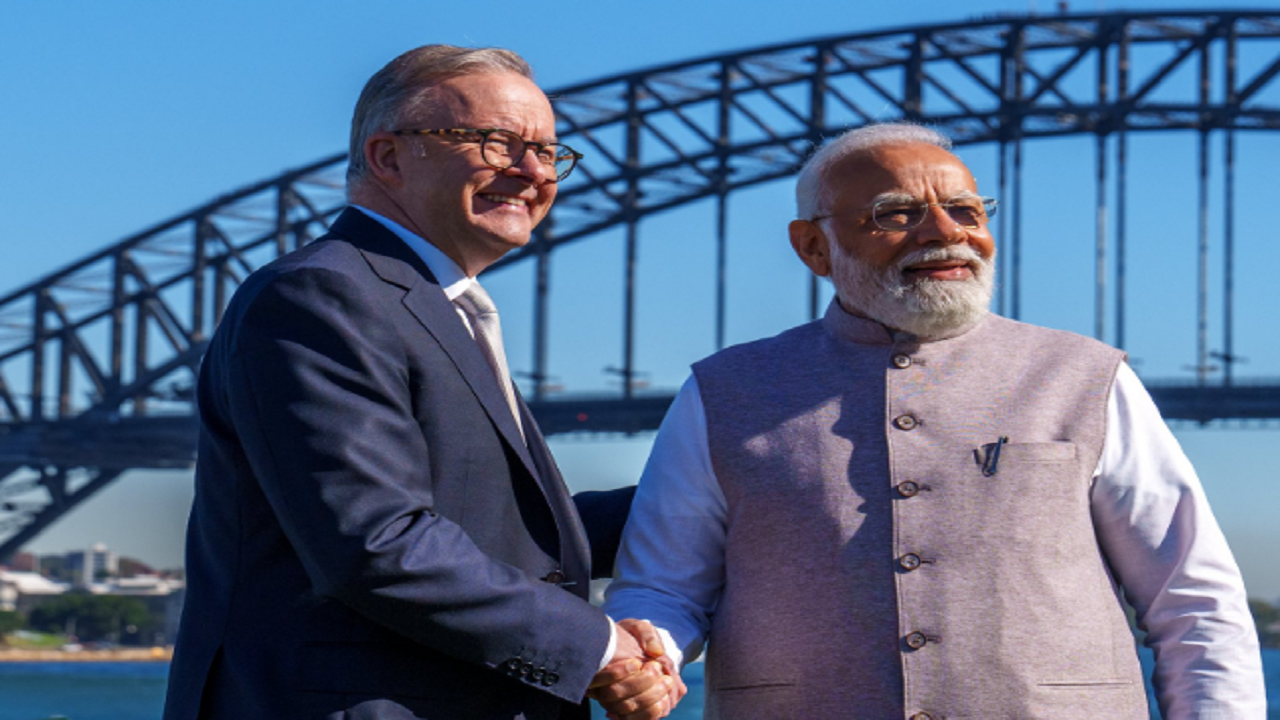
(451, 278)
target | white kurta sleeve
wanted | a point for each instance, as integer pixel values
(1168, 553)
(671, 563)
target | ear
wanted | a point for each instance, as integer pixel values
(383, 154)
(810, 243)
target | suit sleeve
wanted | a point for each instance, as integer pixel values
(318, 392)
(604, 514)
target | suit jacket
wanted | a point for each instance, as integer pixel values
(370, 537)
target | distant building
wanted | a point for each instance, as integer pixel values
(163, 598)
(87, 567)
(22, 591)
(24, 562)
(96, 570)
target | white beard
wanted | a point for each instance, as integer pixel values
(926, 308)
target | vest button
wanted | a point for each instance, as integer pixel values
(902, 361)
(910, 561)
(905, 422)
(555, 577)
(908, 489)
(922, 716)
(917, 640)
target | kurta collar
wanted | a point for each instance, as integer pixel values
(864, 331)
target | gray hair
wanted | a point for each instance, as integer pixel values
(399, 90)
(810, 189)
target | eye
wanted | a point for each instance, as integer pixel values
(549, 154)
(897, 216)
(965, 213)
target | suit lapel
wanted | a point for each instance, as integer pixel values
(575, 549)
(396, 263)
(424, 299)
(427, 302)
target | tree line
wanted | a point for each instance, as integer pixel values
(127, 621)
(85, 617)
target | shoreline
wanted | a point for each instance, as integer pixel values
(139, 654)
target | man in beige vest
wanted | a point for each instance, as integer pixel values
(912, 508)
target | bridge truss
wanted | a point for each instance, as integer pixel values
(97, 361)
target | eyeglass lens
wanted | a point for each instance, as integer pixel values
(503, 148)
(899, 216)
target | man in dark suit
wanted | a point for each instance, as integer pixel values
(379, 530)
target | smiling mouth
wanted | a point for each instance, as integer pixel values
(940, 270)
(937, 265)
(505, 200)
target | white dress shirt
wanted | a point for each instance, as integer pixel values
(1150, 514)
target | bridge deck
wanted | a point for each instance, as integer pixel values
(168, 441)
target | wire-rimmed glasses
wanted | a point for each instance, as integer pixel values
(896, 214)
(502, 149)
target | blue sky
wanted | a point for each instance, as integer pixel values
(118, 115)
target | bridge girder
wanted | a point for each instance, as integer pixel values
(97, 360)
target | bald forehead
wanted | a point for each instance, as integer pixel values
(499, 94)
(918, 170)
(903, 160)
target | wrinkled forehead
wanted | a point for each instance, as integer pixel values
(915, 170)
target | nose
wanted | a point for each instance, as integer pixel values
(939, 226)
(530, 168)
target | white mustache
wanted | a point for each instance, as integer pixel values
(937, 254)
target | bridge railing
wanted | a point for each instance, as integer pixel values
(122, 331)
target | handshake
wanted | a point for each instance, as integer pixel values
(640, 682)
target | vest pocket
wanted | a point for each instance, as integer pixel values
(762, 685)
(1084, 683)
(776, 700)
(1036, 452)
(1104, 698)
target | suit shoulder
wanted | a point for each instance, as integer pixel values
(326, 255)
(330, 259)
(322, 281)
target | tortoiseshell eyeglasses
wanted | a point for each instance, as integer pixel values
(502, 149)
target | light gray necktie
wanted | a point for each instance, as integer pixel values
(488, 332)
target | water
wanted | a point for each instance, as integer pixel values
(82, 690)
(135, 690)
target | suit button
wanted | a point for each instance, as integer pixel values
(550, 679)
(555, 577)
(902, 361)
(922, 716)
(538, 674)
(513, 665)
(525, 669)
(905, 422)
(917, 640)
(908, 489)
(910, 561)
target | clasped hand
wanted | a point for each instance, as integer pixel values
(640, 682)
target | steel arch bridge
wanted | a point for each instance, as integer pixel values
(97, 361)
